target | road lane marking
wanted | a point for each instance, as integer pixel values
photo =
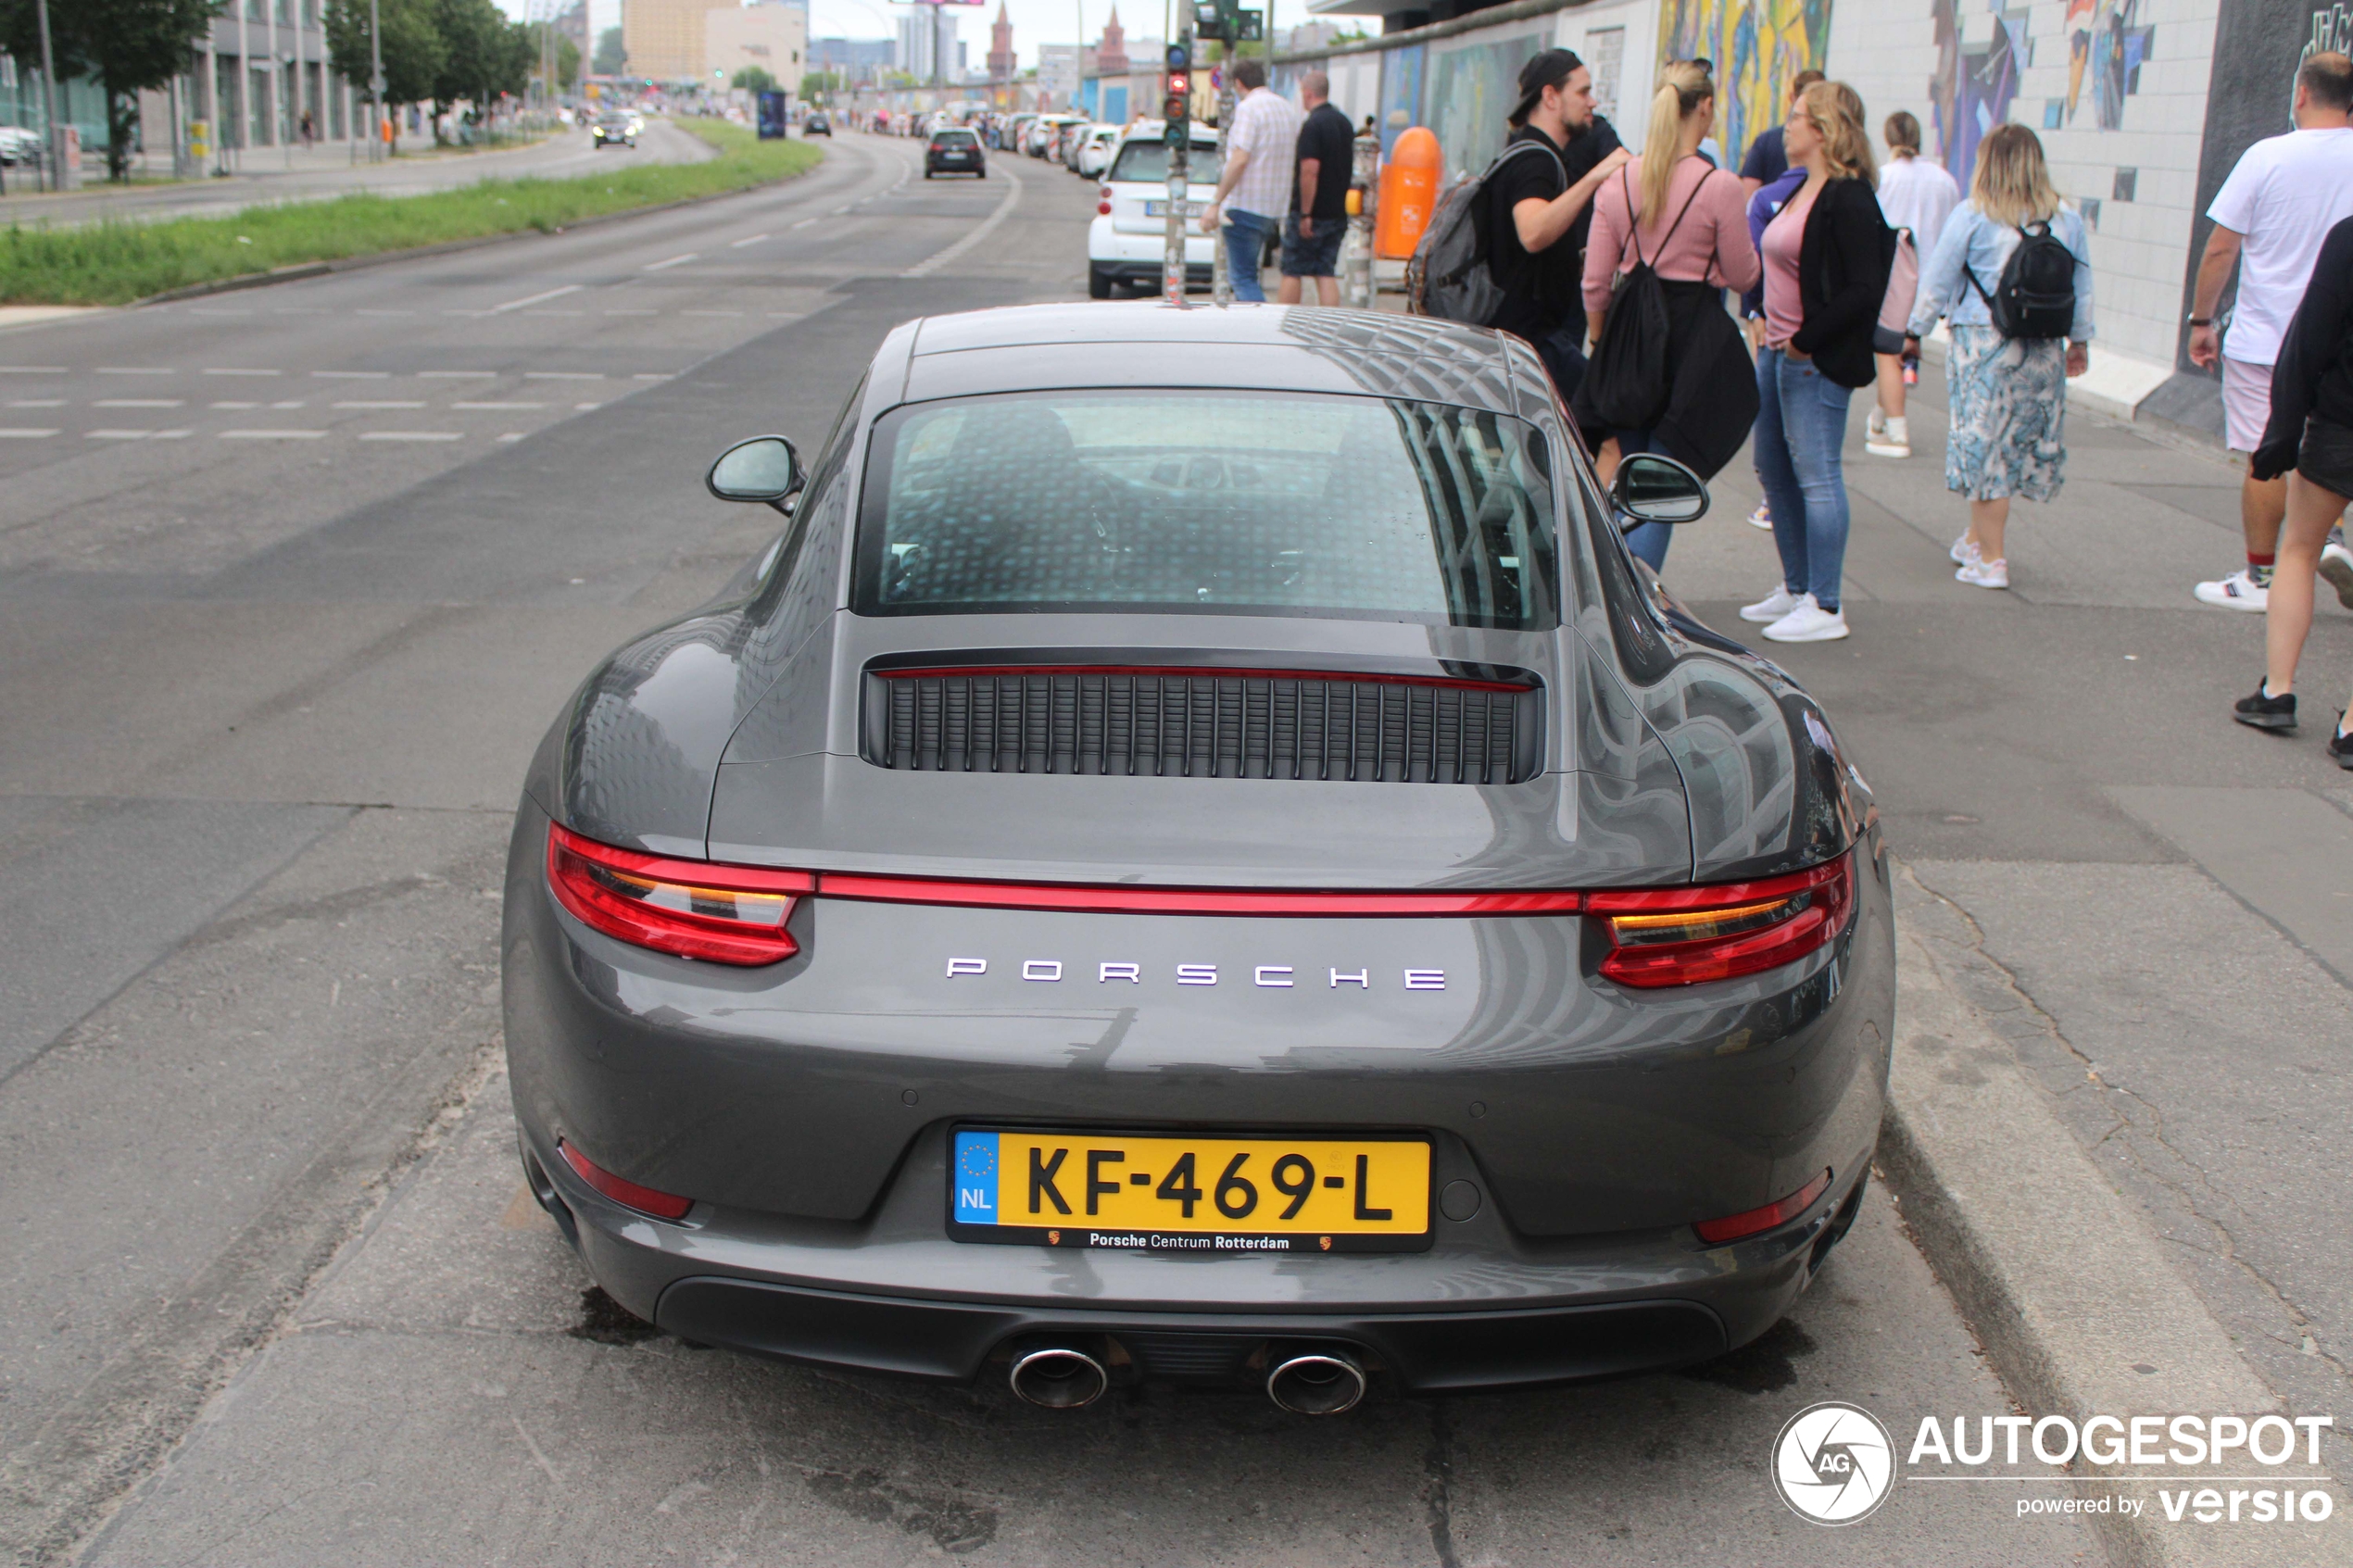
(563, 375)
(295, 403)
(642, 375)
(381, 403)
(237, 406)
(353, 375)
(489, 405)
(36, 403)
(534, 299)
(512, 435)
(804, 223)
(456, 375)
(749, 240)
(673, 261)
(411, 436)
(584, 408)
(35, 370)
(271, 435)
(988, 226)
(116, 434)
(7, 434)
(137, 403)
(233, 371)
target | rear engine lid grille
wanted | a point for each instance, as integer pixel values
(1204, 724)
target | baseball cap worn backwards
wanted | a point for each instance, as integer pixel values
(1551, 68)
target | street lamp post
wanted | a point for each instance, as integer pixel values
(49, 101)
(375, 79)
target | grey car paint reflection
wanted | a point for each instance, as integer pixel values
(805, 1106)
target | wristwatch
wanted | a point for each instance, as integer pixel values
(2199, 320)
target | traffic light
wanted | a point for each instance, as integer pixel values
(1227, 22)
(1180, 97)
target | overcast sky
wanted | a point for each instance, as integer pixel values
(1035, 21)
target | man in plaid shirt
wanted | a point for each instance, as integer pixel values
(1260, 147)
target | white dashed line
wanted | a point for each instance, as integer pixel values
(271, 435)
(1004, 210)
(411, 436)
(512, 435)
(239, 406)
(381, 403)
(584, 408)
(804, 223)
(36, 403)
(486, 406)
(673, 261)
(536, 298)
(456, 375)
(563, 375)
(234, 372)
(748, 240)
(136, 403)
(297, 402)
(35, 370)
(116, 434)
(353, 375)
(7, 434)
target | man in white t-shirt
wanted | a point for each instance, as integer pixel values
(1261, 150)
(2269, 218)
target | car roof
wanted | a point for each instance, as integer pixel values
(1269, 347)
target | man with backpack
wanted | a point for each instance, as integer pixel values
(2269, 218)
(1537, 213)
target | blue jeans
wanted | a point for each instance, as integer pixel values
(1245, 241)
(1647, 540)
(1801, 425)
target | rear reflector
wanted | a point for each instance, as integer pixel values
(725, 914)
(646, 1200)
(1733, 1227)
(1684, 936)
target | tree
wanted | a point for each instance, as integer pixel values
(612, 58)
(817, 84)
(753, 80)
(486, 54)
(127, 44)
(413, 50)
(567, 64)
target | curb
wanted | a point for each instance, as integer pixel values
(2060, 1275)
(300, 270)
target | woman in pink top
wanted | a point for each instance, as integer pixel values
(1688, 221)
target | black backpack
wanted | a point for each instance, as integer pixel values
(1449, 276)
(2034, 298)
(1630, 380)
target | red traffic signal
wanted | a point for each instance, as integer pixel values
(1180, 83)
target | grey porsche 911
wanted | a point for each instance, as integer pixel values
(1198, 854)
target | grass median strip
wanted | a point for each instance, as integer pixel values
(117, 263)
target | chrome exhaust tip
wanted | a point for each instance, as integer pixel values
(1326, 1382)
(1059, 1377)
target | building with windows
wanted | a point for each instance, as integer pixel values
(858, 60)
(775, 37)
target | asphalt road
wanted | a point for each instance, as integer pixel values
(291, 584)
(267, 176)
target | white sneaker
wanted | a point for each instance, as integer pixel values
(1762, 517)
(1810, 622)
(1894, 439)
(1874, 424)
(1773, 606)
(2337, 565)
(1984, 573)
(2239, 591)
(1965, 551)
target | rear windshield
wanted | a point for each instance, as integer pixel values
(951, 138)
(1226, 502)
(1148, 162)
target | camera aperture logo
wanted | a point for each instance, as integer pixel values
(1833, 1463)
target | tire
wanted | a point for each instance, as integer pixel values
(1098, 284)
(926, 173)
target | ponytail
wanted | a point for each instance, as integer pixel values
(1682, 87)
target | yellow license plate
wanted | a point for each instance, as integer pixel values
(1177, 1193)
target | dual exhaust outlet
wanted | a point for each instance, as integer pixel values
(1305, 1380)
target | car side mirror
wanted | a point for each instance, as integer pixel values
(764, 468)
(1650, 488)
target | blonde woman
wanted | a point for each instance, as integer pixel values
(2008, 396)
(1687, 218)
(1825, 274)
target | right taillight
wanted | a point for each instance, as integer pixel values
(1684, 936)
(1104, 208)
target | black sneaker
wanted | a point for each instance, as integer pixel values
(2265, 712)
(2341, 748)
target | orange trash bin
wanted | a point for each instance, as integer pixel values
(1408, 192)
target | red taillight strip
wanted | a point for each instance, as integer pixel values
(1755, 1222)
(1192, 670)
(1186, 901)
(590, 879)
(646, 1200)
(1715, 895)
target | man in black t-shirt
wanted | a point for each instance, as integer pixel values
(1767, 159)
(1540, 208)
(1327, 153)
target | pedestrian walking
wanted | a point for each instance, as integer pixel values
(1539, 211)
(2006, 390)
(1687, 221)
(1318, 196)
(1825, 259)
(2269, 218)
(1257, 177)
(1918, 197)
(2307, 444)
(1767, 158)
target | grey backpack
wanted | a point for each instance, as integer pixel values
(1449, 276)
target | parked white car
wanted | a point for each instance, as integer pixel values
(1095, 147)
(1125, 242)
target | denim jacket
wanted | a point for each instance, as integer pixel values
(1972, 240)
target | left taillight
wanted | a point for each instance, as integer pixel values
(691, 909)
(1683, 935)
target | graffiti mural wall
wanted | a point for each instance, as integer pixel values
(1971, 91)
(1759, 46)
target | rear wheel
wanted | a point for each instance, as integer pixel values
(1098, 284)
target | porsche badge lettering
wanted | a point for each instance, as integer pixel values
(1266, 976)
